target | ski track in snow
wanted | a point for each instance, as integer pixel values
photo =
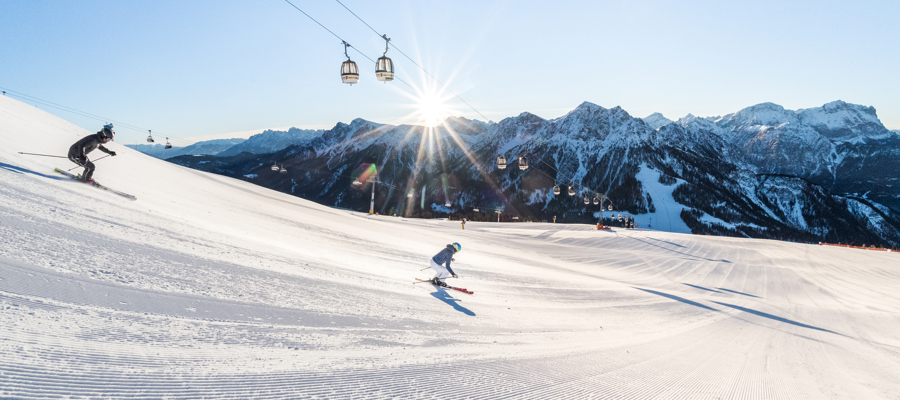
(211, 287)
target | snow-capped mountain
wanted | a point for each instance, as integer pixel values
(207, 147)
(270, 141)
(701, 175)
(841, 146)
(656, 120)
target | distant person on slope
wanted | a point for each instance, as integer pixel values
(79, 151)
(444, 257)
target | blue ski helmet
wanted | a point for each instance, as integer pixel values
(457, 246)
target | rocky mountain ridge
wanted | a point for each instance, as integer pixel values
(270, 141)
(761, 172)
(207, 147)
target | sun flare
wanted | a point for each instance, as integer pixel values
(432, 110)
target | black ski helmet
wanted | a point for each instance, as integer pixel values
(107, 132)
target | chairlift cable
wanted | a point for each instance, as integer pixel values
(444, 85)
(82, 113)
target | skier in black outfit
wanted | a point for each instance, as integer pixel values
(79, 151)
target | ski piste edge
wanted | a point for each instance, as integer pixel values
(464, 290)
(97, 185)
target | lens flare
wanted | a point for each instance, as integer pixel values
(363, 173)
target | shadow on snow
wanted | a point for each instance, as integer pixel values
(740, 293)
(701, 288)
(20, 170)
(678, 252)
(720, 290)
(776, 318)
(676, 298)
(442, 295)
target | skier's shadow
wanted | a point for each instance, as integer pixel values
(442, 295)
(20, 170)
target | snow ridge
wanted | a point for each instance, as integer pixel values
(656, 120)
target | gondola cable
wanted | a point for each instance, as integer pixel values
(444, 85)
(344, 41)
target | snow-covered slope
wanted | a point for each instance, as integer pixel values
(207, 286)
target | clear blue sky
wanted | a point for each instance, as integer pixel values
(196, 68)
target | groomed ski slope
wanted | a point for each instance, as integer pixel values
(212, 287)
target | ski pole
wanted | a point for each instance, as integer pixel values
(424, 268)
(79, 166)
(42, 155)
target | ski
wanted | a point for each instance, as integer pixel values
(97, 185)
(464, 290)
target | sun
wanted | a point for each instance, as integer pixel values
(430, 105)
(432, 110)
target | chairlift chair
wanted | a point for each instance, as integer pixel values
(349, 70)
(150, 136)
(523, 163)
(168, 145)
(501, 162)
(384, 67)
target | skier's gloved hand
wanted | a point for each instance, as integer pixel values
(112, 153)
(455, 276)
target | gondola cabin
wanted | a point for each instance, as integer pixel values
(384, 69)
(501, 162)
(349, 72)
